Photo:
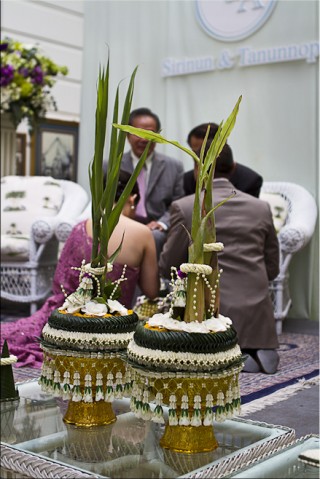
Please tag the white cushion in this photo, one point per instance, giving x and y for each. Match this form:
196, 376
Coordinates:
279, 208
14, 248
25, 198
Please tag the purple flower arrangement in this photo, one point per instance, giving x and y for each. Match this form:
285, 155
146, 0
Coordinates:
26, 78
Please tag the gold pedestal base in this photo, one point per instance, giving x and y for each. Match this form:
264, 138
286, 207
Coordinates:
189, 439
84, 414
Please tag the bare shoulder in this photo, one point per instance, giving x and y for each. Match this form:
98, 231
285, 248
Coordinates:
136, 228
141, 228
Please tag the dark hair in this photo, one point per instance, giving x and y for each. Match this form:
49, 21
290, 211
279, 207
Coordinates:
124, 177
201, 130
144, 112
224, 163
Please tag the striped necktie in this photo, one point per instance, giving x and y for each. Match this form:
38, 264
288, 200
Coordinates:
141, 208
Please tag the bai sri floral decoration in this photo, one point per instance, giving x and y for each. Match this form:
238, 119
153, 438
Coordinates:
188, 358
84, 339
27, 78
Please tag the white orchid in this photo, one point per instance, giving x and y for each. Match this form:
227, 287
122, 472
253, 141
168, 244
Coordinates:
92, 308
116, 307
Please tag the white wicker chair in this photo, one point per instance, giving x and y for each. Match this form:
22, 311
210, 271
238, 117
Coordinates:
29, 247
64, 227
295, 214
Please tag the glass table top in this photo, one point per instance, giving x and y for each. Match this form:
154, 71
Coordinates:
128, 448
286, 463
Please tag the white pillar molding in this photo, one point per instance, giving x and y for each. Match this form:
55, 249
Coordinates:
8, 146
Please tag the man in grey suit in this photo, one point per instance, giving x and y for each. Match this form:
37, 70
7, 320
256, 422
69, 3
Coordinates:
160, 182
250, 259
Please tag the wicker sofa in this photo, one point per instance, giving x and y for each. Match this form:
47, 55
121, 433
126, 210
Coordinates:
294, 213
31, 208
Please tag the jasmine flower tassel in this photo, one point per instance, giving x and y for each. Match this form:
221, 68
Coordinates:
66, 390
56, 384
139, 405
118, 393
208, 415
184, 419
173, 420
146, 413
133, 400
229, 406
76, 393
158, 411
49, 382
43, 377
236, 399
220, 416
127, 383
109, 396
196, 418
87, 397
99, 387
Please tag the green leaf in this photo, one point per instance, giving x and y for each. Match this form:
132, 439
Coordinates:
109, 289
104, 215
155, 137
114, 255
99, 299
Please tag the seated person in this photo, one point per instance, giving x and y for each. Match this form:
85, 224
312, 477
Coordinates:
250, 259
160, 182
138, 252
242, 177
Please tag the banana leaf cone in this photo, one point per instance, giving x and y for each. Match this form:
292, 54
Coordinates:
9, 392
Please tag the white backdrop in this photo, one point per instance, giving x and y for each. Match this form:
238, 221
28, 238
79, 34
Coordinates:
277, 128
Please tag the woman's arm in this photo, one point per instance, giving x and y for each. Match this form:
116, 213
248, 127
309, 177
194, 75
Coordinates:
149, 276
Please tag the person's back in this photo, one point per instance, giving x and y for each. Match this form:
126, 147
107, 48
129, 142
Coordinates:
250, 259
137, 252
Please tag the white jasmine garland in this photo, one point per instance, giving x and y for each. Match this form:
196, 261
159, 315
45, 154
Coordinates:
195, 268
86, 283
7, 361
213, 247
87, 268
182, 360
92, 308
85, 340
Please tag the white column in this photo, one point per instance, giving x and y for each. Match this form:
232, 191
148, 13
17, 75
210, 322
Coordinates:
8, 146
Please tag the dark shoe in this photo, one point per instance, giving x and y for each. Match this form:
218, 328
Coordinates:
268, 360
251, 366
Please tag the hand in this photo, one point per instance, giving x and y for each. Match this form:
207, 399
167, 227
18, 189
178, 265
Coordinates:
153, 225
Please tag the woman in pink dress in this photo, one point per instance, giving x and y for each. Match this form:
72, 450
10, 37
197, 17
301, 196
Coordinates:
138, 252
